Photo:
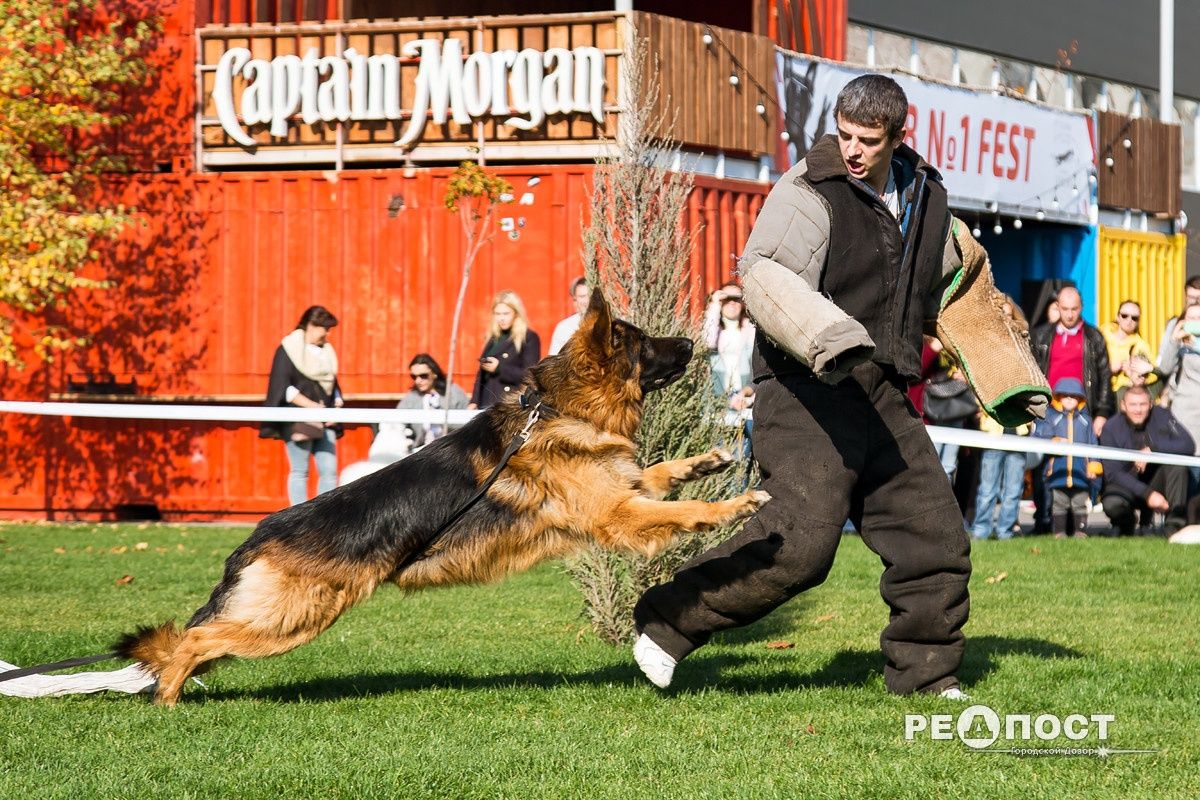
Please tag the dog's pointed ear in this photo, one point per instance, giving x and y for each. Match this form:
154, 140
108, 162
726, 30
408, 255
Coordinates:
597, 322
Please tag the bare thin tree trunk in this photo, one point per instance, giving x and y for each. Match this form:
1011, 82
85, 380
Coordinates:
637, 247
475, 228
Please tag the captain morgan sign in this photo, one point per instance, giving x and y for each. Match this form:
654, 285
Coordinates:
520, 87
989, 148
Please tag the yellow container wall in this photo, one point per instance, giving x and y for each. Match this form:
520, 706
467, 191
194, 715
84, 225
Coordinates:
1146, 267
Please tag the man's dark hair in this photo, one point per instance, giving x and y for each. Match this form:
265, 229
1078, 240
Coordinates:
575, 284
317, 315
873, 100
1193, 282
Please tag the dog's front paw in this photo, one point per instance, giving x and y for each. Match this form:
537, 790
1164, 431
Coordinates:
712, 462
750, 502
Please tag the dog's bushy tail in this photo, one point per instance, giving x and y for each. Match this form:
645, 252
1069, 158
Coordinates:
153, 646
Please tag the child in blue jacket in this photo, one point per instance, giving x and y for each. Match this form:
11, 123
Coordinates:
1069, 478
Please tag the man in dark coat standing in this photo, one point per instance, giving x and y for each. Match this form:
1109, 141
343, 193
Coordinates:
849, 261
1071, 348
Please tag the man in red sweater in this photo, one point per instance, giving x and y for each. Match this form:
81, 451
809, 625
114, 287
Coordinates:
1071, 348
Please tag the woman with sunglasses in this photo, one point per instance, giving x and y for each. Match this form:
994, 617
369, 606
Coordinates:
431, 392
1129, 355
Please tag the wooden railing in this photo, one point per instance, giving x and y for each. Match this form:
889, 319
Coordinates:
709, 110
710, 113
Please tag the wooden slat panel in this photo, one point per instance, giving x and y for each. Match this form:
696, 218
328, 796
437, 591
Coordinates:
1145, 176
695, 79
709, 113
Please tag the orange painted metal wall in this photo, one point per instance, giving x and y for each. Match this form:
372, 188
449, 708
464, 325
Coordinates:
223, 268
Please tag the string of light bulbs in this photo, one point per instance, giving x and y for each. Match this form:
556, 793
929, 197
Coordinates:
709, 37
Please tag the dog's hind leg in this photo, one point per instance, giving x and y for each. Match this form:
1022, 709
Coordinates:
270, 611
198, 646
646, 526
660, 479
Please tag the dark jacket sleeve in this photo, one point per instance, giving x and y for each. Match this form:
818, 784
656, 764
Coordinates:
1039, 343
477, 391
512, 370
280, 380
277, 384
1104, 406
1169, 436
1120, 474
480, 377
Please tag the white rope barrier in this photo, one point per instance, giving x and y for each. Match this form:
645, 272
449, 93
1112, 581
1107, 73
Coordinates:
215, 413
1033, 444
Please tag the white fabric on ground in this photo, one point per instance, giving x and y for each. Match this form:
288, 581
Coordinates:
131, 680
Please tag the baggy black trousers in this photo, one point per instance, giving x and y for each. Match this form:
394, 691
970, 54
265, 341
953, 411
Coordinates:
856, 451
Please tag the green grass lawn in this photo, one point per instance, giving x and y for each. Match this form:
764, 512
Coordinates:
497, 691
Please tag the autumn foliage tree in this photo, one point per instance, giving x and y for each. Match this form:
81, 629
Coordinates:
61, 74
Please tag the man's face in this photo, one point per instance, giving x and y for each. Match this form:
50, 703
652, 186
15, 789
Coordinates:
1191, 296
582, 296
1136, 406
1070, 307
866, 150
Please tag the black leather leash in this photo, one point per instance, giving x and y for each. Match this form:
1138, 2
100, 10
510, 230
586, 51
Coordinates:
529, 399
55, 666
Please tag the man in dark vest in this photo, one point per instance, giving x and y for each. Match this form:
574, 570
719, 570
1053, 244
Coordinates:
853, 255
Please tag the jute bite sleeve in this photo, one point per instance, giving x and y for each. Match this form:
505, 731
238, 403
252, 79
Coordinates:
992, 347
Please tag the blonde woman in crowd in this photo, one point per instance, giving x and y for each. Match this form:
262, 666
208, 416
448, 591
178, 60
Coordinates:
511, 349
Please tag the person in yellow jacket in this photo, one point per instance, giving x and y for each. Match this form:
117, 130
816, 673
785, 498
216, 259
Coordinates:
1129, 355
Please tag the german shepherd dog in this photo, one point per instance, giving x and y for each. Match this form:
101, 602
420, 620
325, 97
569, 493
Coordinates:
574, 482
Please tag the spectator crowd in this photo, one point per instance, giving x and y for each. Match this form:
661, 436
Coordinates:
1109, 388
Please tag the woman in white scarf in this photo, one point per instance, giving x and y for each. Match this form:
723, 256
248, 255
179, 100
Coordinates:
304, 374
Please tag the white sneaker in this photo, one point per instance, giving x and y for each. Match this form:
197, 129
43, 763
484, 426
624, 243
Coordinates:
654, 661
955, 693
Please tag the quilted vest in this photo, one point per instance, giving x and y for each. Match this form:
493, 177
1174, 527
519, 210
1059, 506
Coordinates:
878, 269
